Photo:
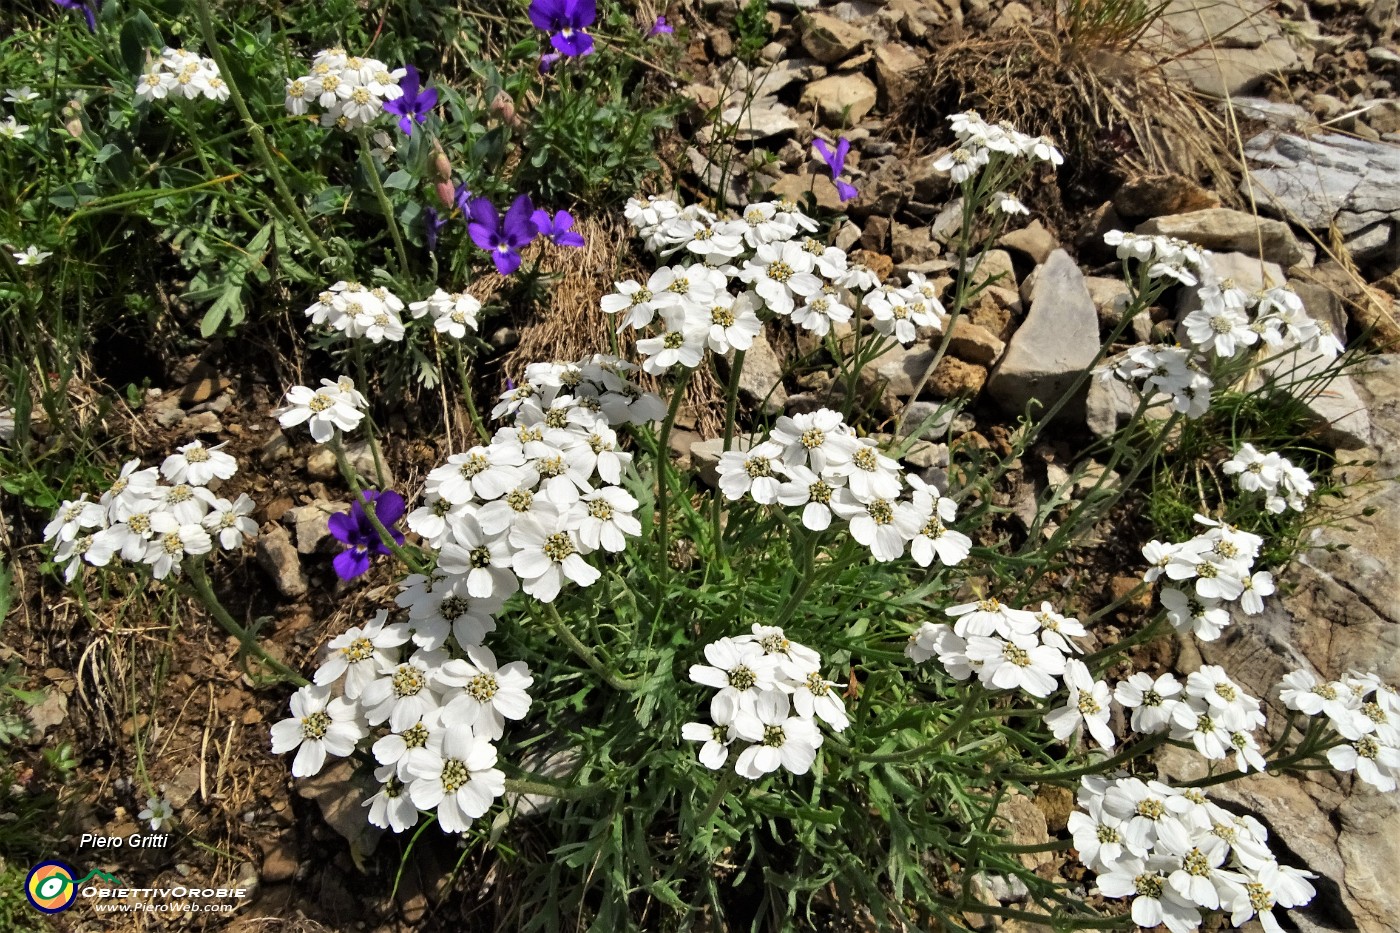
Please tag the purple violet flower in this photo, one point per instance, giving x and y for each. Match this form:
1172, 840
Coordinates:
660, 28
557, 230
565, 21
836, 161
416, 102
432, 226
87, 8
503, 238
547, 61
462, 197
356, 530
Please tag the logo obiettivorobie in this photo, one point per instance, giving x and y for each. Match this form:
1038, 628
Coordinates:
52, 887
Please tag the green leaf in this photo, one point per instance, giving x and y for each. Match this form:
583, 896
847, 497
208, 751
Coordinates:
399, 181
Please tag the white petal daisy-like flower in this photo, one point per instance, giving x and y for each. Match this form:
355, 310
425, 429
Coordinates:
780, 739
30, 256
486, 695
460, 782
334, 406
320, 725
196, 464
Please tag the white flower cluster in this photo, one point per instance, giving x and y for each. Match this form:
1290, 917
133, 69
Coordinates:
1363, 710
771, 694
519, 513
374, 313
1009, 649
545, 492
1231, 319
179, 73
980, 142
350, 90
433, 718
1170, 371
452, 312
1176, 853
815, 462
359, 312
1164, 256
142, 520
745, 270
1284, 486
336, 405
1219, 562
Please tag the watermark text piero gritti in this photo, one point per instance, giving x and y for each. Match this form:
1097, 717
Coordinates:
133, 841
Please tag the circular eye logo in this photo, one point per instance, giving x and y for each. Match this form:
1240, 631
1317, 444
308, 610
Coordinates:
50, 887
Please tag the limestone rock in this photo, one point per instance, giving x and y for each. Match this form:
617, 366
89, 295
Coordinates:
841, 100
761, 381
796, 187
895, 67
1222, 229
1314, 182
1221, 47
340, 798
1058, 340
763, 118
1342, 613
975, 344
311, 523
1032, 240
829, 40
278, 556
952, 378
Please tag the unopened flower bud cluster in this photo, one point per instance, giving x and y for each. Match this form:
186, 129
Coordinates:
145, 521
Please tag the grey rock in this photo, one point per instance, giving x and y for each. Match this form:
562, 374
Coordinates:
1111, 297
321, 463
1338, 413
829, 40
841, 100
917, 413
761, 381
1032, 240
1229, 230
310, 523
1314, 181
1221, 47
180, 789
763, 118
705, 455
1110, 404
901, 367
48, 713
278, 556
276, 448
1272, 112
1370, 243
340, 797
1058, 340
768, 81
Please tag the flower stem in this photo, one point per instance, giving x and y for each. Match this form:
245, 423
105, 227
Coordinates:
199, 580
663, 470
586, 654
392, 222
348, 473
468, 396
731, 404
279, 184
